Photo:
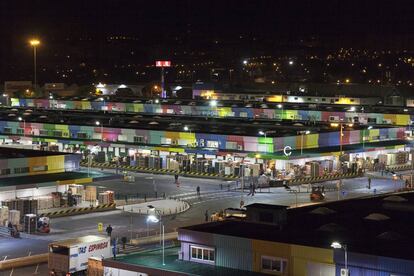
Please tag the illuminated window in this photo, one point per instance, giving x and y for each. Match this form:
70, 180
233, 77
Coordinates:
44, 132
273, 264
57, 133
231, 145
204, 254
5, 171
82, 135
139, 139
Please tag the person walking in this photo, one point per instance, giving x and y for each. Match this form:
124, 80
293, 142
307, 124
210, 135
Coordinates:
206, 216
198, 190
250, 189
109, 230
369, 183
176, 178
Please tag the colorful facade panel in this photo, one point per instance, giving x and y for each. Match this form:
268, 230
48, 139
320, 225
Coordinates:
245, 112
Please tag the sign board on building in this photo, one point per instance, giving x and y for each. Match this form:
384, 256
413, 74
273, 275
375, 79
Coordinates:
163, 63
14, 86
287, 150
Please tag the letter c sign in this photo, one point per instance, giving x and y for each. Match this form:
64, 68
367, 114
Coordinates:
287, 150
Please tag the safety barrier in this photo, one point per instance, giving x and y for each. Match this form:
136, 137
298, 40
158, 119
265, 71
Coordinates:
78, 211
315, 179
155, 170
404, 167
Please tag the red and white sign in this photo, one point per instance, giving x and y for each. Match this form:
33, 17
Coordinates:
163, 63
98, 246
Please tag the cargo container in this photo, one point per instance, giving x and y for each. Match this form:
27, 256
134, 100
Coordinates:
70, 257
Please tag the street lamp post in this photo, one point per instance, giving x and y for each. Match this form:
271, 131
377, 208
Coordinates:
186, 128
24, 125
341, 133
337, 245
34, 43
302, 133
7, 98
364, 135
155, 219
100, 124
213, 103
89, 157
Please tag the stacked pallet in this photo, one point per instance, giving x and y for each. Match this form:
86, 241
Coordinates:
90, 193
401, 157
45, 202
4, 215
173, 164
14, 217
24, 206
57, 199
30, 223
106, 197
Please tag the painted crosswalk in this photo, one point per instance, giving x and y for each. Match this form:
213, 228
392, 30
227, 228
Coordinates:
194, 199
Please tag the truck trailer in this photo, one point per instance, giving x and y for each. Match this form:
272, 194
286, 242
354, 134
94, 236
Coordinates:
70, 257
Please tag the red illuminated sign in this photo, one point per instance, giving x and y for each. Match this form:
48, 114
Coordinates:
163, 63
98, 246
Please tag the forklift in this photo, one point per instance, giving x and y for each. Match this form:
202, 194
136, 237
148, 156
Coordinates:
317, 193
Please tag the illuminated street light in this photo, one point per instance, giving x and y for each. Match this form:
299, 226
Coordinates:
245, 62
99, 124
279, 106
341, 127
337, 245
261, 132
34, 43
290, 62
213, 103
153, 219
156, 219
186, 128
24, 125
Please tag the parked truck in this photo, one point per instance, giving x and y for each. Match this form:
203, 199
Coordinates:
70, 257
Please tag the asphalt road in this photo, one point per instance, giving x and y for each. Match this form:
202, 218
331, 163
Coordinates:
213, 198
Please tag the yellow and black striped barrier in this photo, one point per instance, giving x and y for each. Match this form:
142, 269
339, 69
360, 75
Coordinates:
405, 167
155, 170
316, 179
78, 211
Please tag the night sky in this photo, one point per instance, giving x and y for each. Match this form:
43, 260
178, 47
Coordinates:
226, 30
155, 17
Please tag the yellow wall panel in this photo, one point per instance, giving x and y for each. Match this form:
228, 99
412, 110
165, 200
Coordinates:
36, 161
187, 135
310, 140
403, 119
56, 163
297, 256
172, 135
302, 255
272, 249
